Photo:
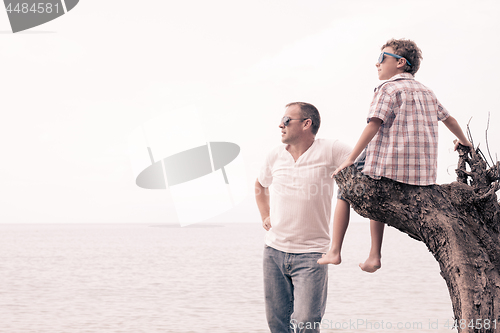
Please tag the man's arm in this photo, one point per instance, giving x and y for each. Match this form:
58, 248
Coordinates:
262, 199
368, 133
455, 128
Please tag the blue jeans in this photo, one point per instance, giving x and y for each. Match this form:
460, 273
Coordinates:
295, 289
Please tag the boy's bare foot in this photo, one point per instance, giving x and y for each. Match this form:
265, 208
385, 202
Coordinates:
330, 258
371, 265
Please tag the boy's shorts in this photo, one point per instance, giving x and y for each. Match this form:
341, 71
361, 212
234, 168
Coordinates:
359, 164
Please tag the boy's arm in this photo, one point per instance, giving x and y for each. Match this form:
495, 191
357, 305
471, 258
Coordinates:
368, 133
455, 128
262, 198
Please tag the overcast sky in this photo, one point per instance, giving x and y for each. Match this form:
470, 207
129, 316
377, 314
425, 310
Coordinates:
74, 89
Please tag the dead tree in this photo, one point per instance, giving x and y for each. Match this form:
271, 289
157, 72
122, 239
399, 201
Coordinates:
459, 223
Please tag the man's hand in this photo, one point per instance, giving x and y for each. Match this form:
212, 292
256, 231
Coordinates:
267, 223
344, 165
457, 142
262, 198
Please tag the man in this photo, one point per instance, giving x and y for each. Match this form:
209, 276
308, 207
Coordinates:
295, 211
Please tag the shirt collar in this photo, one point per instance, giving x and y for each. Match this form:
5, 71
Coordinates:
402, 76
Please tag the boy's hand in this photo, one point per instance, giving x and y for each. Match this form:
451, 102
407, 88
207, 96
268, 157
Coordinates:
458, 142
267, 223
344, 165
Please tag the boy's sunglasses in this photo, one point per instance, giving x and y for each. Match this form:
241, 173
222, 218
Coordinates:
381, 57
286, 120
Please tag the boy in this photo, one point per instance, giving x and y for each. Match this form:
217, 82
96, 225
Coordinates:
400, 138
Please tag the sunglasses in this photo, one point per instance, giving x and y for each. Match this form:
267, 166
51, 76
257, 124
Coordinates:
286, 120
381, 57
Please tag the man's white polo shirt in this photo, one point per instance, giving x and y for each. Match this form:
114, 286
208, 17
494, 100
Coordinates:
301, 195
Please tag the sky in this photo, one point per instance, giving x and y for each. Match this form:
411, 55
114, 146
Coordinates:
74, 89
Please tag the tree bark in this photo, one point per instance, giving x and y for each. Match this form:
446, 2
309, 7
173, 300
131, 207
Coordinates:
459, 223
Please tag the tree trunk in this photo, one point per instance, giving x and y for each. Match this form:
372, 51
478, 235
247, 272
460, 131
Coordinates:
459, 223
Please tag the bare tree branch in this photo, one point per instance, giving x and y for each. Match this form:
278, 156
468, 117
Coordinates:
458, 222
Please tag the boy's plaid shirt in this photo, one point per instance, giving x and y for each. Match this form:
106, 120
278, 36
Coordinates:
405, 147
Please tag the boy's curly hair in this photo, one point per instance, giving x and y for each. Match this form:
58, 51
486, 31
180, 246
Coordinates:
407, 49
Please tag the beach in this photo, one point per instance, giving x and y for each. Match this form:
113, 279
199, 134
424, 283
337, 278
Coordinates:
166, 278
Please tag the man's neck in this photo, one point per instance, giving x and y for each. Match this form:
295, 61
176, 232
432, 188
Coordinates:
296, 150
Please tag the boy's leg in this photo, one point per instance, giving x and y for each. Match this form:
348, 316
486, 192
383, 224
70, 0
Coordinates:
340, 224
377, 234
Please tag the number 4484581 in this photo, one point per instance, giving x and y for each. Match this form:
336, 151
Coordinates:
36, 8
478, 324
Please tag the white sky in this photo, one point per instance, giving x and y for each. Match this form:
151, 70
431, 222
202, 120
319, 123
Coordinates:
73, 89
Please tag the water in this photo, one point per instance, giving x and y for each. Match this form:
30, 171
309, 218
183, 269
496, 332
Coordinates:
204, 278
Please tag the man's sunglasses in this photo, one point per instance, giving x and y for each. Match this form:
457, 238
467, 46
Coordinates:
381, 57
286, 120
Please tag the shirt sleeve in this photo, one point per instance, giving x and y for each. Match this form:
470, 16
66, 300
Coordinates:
381, 106
340, 152
442, 112
266, 176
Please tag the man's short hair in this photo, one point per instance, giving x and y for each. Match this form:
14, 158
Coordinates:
407, 49
309, 111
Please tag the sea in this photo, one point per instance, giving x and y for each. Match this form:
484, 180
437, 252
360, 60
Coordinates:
152, 278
